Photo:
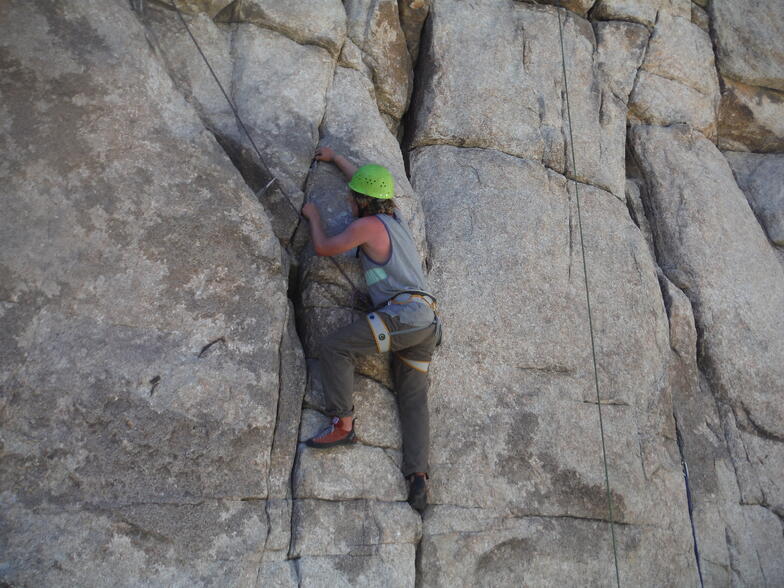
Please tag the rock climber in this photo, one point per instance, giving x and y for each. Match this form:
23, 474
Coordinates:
403, 321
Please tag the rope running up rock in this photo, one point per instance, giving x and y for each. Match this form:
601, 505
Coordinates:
356, 292
588, 302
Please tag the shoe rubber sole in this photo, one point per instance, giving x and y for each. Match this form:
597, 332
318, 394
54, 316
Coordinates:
347, 440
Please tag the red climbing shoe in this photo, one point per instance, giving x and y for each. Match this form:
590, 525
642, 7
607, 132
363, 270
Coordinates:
333, 435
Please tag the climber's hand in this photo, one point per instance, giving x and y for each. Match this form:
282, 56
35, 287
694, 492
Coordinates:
309, 211
325, 154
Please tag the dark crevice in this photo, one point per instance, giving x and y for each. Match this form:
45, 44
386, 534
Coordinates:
154, 384
634, 171
207, 347
749, 425
423, 72
689, 502
418, 582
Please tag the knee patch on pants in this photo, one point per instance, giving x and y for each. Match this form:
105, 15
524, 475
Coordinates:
420, 366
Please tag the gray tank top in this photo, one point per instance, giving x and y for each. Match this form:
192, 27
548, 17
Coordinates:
402, 271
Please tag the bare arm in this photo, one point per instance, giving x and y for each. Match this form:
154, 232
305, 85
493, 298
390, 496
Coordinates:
344, 165
356, 234
348, 168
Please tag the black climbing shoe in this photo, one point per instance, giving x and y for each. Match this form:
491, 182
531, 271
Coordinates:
417, 492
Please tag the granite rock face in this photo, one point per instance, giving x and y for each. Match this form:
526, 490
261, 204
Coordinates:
144, 310
677, 82
161, 311
711, 246
506, 91
751, 118
761, 177
750, 41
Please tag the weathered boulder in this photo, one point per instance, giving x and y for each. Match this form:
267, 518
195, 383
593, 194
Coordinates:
308, 22
637, 212
412, 16
738, 543
751, 118
700, 17
761, 177
353, 527
581, 7
374, 27
186, 67
711, 246
620, 50
154, 396
480, 547
209, 7
515, 364
737, 295
144, 311
644, 12
678, 81
276, 84
510, 94
750, 41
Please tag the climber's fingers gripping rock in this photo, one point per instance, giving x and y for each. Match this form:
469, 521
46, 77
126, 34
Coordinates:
324, 154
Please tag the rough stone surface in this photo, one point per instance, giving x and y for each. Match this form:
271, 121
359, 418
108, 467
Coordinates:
473, 547
308, 22
637, 211
277, 86
412, 16
510, 95
644, 12
751, 118
383, 566
711, 246
731, 553
738, 295
374, 27
750, 41
700, 17
153, 389
678, 81
761, 177
352, 527
145, 304
347, 472
541, 470
620, 50
581, 7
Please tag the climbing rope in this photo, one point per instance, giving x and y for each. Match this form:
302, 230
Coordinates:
588, 302
356, 292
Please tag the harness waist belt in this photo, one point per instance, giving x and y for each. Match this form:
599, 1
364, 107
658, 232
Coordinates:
413, 295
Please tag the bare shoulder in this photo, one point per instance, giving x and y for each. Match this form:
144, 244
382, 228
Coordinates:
369, 225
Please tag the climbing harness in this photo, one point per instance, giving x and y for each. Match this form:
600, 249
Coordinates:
356, 292
383, 336
588, 302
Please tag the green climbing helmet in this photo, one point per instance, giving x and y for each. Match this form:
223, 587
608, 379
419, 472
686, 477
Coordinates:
374, 181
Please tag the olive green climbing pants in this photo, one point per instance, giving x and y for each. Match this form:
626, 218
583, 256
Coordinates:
411, 354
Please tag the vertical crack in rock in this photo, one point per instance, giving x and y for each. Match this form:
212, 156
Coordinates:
685, 466
634, 168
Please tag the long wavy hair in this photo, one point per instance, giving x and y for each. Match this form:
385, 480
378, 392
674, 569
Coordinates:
368, 206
